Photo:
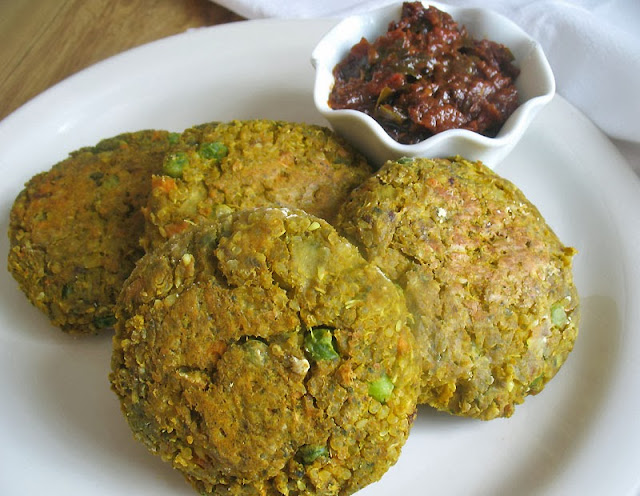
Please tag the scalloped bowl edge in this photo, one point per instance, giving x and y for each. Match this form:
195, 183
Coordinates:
536, 86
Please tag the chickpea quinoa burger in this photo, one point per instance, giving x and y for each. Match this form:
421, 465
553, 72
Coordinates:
74, 230
217, 167
487, 280
261, 354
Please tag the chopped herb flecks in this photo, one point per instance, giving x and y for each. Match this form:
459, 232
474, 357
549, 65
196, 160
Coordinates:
309, 453
319, 344
104, 321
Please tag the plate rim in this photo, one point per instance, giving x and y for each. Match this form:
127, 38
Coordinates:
627, 193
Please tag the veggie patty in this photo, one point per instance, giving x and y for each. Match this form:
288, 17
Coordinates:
261, 354
74, 230
489, 283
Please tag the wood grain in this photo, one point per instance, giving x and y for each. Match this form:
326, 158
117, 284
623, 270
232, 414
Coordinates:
44, 41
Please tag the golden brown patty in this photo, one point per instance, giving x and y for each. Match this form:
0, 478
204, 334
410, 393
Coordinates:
217, 167
263, 355
74, 230
489, 283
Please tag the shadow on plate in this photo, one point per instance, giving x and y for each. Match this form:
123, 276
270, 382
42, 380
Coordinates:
592, 369
526, 453
79, 409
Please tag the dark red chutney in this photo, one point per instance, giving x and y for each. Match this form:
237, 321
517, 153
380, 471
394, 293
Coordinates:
427, 75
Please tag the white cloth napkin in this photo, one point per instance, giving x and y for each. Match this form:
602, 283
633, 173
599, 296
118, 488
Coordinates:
593, 47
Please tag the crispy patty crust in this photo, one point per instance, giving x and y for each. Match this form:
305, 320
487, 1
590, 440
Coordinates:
217, 167
74, 230
489, 283
261, 354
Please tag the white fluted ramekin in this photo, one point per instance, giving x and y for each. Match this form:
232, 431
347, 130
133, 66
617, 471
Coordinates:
535, 84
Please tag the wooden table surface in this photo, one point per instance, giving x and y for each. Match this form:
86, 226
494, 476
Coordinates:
44, 41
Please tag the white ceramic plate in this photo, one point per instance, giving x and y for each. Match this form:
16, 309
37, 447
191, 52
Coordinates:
61, 430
